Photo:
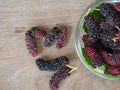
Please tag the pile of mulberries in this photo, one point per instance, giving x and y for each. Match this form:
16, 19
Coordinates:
60, 64
52, 65
58, 34
102, 42
59, 76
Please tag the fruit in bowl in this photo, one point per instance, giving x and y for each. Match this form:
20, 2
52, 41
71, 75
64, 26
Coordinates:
100, 44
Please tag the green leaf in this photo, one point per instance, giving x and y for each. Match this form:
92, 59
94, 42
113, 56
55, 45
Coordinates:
85, 27
87, 59
96, 14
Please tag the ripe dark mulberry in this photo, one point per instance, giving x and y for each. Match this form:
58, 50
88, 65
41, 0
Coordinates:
107, 10
52, 36
61, 37
92, 29
52, 65
59, 76
113, 70
94, 56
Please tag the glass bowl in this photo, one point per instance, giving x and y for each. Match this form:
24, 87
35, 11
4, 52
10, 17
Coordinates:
79, 43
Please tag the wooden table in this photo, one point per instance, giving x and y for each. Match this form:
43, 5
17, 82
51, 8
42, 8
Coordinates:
17, 68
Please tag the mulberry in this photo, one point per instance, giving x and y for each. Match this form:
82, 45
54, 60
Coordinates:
92, 28
94, 56
85, 40
61, 37
118, 35
35, 32
59, 76
113, 70
52, 36
107, 10
52, 65
117, 6
113, 59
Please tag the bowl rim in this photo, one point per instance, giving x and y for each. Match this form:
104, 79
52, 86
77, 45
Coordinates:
77, 41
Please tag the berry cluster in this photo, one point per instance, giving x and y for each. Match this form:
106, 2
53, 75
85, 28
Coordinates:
102, 43
59, 76
52, 65
30, 37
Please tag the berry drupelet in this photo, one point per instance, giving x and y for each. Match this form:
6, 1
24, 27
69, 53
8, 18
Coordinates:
52, 65
38, 33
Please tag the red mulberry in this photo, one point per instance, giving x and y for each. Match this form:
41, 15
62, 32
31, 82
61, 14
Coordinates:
94, 56
61, 37
113, 70
113, 59
59, 76
52, 36
52, 65
118, 35
117, 6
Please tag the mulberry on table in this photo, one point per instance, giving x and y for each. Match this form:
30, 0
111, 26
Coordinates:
58, 34
59, 76
52, 65
30, 37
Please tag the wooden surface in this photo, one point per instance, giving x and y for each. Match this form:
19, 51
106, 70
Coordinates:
17, 68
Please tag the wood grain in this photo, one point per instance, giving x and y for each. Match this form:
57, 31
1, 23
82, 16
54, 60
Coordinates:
18, 69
